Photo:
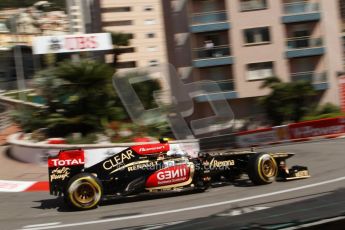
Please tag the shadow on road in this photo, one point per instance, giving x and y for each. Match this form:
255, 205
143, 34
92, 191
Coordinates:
59, 204
54, 203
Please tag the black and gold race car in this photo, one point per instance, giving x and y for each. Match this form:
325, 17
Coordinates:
148, 168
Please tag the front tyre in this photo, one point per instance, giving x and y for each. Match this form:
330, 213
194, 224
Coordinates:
84, 191
262, 169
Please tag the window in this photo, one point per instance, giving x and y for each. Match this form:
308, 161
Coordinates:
150, 35
126, 50
153, 63
118, 23
124, 65
152, 48
258, 71
248, 5
150, 22
148, 8
257, 35
116, 9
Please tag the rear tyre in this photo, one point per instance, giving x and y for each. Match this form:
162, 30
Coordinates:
84, 191
262, 169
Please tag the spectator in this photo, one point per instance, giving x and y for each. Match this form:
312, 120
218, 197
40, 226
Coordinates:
209, 45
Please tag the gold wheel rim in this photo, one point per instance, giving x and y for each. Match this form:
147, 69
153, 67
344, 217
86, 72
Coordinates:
268, 168
85, 193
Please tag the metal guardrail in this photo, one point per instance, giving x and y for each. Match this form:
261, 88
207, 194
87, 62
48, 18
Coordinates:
310, 76
301, 7
224, 85
209, 17
5, 118
304, 42
213, 52
253, 5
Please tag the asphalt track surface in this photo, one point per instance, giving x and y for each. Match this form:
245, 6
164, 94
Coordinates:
228, 207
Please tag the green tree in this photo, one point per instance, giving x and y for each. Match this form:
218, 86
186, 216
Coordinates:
327, 110
287, 101
119, 39
79, 97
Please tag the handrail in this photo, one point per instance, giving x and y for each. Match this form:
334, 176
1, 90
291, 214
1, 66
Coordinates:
298, 38
304, 42
248, 6
312, 76
214, 47
301, 7
209, 17
224, 85
208, 13
303, 72
212, 52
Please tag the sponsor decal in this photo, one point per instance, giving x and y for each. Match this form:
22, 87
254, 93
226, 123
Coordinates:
81, 43
141, 166
60, 174
118, 160
55, 44
310, 131
71, 43
151, 148
218, 164
168, 176
67, 162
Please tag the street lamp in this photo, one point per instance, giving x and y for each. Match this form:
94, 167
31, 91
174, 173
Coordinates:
18, 62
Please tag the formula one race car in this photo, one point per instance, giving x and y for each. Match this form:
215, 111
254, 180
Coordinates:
147, 168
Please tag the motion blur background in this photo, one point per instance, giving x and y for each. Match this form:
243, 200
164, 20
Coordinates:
239, 44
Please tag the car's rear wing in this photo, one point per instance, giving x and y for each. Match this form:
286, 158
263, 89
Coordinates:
62, 167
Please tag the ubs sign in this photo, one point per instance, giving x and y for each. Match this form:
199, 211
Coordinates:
72, 43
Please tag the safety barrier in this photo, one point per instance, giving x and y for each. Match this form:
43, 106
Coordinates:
302, 131
37, 153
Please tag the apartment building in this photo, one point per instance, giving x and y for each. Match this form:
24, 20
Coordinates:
143, 19
84, 16
239, 43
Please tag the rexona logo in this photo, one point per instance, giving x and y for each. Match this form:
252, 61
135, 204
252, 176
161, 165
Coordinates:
218, 164
67, 162
169, 176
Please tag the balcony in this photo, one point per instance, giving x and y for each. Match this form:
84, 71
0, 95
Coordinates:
253, 5
318, 80
209, 21
216, 56
227, 88
301, 12
304, 47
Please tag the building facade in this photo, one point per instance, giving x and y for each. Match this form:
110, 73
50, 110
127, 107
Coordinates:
143, 19
84, 16
239, 43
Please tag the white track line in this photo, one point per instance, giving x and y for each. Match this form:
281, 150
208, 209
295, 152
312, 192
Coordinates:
191, 208
314, 223
40, 225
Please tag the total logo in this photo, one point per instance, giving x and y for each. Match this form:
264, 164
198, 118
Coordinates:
68, 162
